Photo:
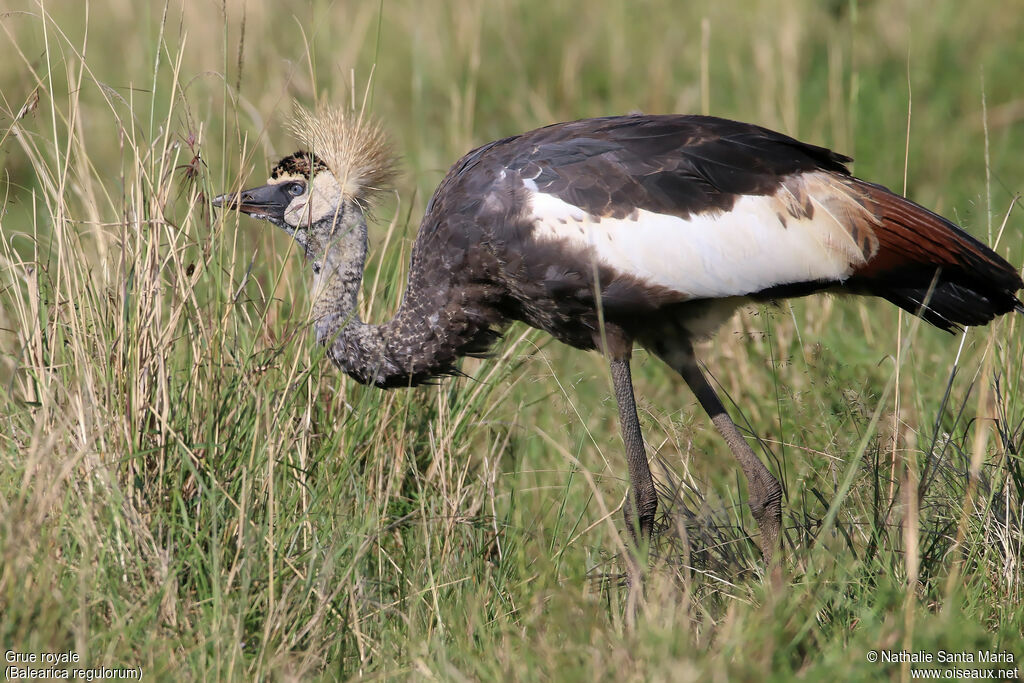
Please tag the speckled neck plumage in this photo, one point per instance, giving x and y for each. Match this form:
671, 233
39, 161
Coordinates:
337, 275
410, 349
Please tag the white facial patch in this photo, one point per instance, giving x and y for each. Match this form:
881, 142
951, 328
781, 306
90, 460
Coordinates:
322, 199
756, 244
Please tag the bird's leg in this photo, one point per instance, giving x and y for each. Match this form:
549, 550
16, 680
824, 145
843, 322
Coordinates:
765, 491
642, 502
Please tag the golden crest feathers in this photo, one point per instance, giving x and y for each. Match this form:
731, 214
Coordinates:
354, 147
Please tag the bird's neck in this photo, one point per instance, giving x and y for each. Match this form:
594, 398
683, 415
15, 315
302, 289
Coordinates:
404, 351
338, 263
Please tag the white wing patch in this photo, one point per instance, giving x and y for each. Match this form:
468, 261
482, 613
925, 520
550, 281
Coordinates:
757, 244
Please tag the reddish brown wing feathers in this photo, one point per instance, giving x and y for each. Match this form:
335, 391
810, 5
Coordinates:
908, 234
923, 259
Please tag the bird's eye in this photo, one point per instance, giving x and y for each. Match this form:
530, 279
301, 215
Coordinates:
295, 189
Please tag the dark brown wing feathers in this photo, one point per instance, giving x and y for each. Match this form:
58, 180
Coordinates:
674, 165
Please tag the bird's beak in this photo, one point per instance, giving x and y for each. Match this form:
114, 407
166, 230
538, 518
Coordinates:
266, 202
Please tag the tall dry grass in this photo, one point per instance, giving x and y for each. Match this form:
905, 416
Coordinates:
188, 487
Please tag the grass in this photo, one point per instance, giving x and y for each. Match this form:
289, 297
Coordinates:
189, 488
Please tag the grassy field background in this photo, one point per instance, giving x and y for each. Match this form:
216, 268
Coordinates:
188, 487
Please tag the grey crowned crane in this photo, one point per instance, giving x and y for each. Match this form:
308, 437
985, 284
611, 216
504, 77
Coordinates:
611, 232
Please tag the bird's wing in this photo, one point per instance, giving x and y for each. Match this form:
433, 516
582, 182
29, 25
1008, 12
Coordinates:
703, 207
673, 208
673, 165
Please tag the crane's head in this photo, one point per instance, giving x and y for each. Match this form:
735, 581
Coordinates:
319, 196
302, 195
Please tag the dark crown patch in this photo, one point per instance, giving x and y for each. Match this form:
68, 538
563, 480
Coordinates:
301, 163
